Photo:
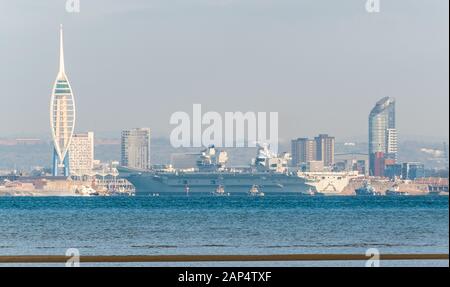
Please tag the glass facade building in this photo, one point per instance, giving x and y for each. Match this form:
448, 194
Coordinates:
412, 170
382, 136
135, 148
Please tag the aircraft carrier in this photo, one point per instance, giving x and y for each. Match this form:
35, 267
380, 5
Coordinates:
268, 171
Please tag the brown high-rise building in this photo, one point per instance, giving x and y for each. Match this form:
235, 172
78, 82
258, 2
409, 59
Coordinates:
321, 148
303, 150
325, 149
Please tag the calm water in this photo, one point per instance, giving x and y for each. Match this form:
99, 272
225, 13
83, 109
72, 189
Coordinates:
203, 224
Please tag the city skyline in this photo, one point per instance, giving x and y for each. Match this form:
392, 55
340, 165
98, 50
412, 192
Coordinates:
221, 133
103, 104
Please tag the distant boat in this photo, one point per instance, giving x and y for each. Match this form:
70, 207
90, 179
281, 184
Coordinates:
311, 192
390, 192
254, 191
395, 191
220, 191
114, 193
86, 191
367, 190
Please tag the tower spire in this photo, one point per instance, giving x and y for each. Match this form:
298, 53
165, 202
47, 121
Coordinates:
61, 50
62, 114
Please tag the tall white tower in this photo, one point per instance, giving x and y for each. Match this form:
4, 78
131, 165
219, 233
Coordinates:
62, 115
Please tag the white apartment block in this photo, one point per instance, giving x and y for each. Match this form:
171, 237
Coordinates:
81, 154
392, 142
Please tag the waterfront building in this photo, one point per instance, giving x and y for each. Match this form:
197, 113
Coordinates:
321, 148
393, 170
325, 149
303, 150
314, 166
382, 136
361, 166
413, 170
135, 148
81, 154
351, 161
341, 166
62, 116
350, 164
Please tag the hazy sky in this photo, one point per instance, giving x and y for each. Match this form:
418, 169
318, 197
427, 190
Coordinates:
322, 64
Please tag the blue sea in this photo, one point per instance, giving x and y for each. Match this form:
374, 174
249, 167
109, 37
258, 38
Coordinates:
238, 224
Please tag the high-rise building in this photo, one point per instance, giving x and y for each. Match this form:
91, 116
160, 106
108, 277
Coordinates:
81, 154
325, 149
62, 116
135, 148
382, 136
321, 148
303, 150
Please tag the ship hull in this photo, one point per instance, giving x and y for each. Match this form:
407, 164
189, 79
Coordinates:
148, 183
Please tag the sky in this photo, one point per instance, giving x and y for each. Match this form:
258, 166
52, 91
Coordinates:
321, 64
